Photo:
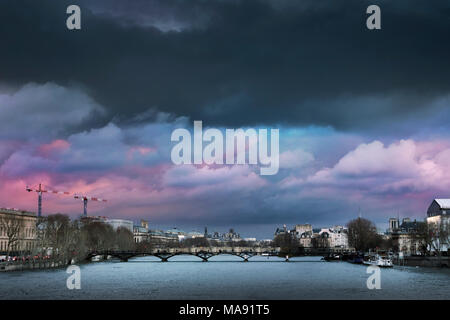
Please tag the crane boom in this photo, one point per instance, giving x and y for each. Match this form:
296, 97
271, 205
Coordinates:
85, 201
40, 190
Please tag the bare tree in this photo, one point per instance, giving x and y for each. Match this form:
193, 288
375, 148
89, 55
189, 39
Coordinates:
12, 228
362, 235
76, 242
57, 234
99, 236
422, 237
125, 239
41, 236
439, 236
288, 243
58, 226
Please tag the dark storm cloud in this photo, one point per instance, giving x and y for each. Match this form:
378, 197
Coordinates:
235, 62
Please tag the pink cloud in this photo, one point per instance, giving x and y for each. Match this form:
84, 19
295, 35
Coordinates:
403, 166
56, 146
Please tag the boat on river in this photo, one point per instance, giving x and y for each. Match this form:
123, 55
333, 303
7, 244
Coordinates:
332, 257
356, 259
379, 261
97, 258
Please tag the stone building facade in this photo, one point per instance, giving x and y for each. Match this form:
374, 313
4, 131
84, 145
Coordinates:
17, 231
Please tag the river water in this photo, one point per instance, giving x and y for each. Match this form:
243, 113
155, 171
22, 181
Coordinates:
226, 277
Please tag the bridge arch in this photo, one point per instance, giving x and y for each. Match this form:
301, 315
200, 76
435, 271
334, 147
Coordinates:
203, 253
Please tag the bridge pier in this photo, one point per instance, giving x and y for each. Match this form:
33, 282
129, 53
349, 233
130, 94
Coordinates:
164, 257
204, 256
244, 256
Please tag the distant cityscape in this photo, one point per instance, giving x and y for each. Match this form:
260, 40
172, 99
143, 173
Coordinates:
405, 236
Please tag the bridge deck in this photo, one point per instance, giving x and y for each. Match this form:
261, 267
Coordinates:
202, 252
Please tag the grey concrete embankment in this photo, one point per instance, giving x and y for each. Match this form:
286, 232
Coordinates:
423, 261
31, 265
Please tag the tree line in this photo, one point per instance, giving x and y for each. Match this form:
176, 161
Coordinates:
76, 238
60, 237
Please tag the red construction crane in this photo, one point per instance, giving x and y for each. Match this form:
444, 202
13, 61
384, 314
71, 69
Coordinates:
85, 201
40, 190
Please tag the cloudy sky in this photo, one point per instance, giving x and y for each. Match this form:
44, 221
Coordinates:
363, 115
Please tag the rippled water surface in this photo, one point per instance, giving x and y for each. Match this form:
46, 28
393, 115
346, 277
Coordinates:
226, 277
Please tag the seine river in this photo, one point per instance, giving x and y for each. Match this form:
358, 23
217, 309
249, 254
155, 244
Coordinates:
226, 277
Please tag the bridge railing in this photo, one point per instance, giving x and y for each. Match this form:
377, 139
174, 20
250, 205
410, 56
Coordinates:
216, 250
193, 250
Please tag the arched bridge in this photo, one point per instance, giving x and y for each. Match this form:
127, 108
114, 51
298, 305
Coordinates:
203, 253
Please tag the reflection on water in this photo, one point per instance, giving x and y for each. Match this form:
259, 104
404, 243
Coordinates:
227, 277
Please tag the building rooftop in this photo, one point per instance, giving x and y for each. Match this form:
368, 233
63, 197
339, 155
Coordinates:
443, 203
17, 212
119, 220
176, 231
140, 229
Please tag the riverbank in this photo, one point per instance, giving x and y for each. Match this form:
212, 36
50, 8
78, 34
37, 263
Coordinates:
410, 261
423, 261
32, 265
